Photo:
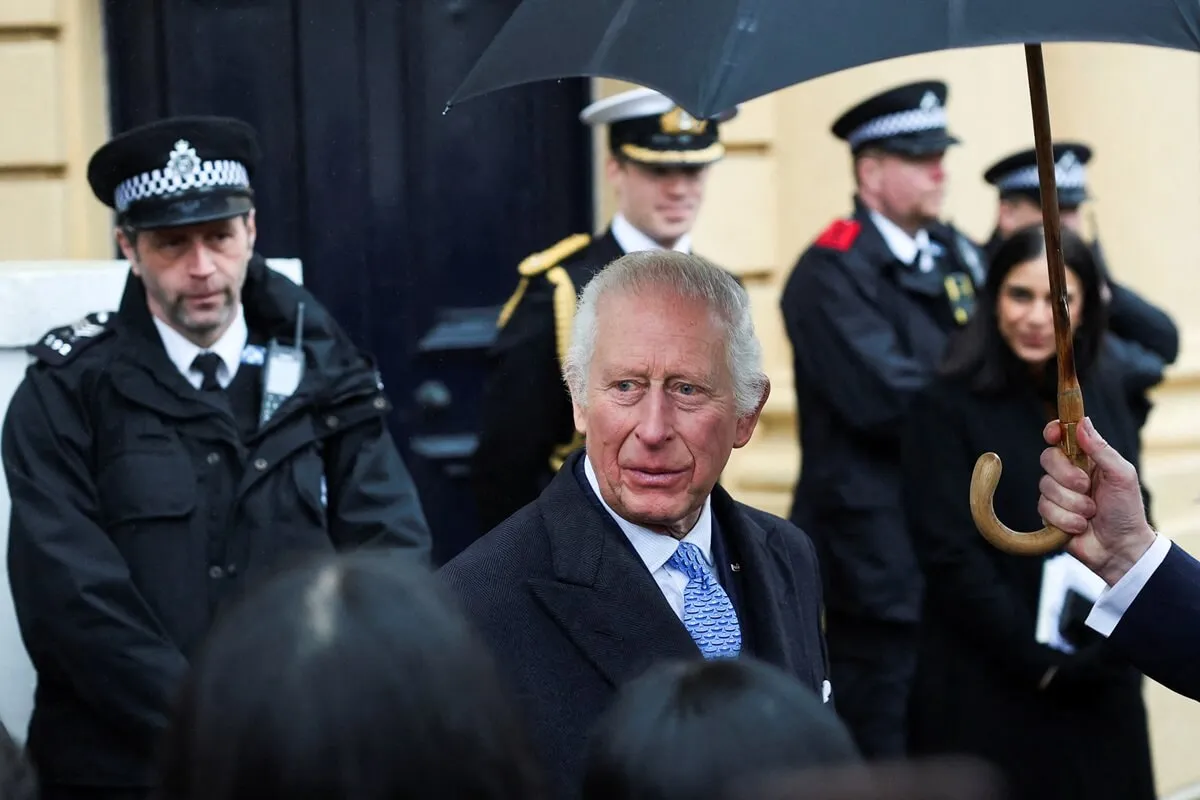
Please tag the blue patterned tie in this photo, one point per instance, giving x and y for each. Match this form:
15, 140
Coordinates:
707, 613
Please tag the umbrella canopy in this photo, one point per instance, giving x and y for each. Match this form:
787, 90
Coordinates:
710, 55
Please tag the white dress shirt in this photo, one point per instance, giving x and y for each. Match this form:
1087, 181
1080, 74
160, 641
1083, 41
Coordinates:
904, 247
1115, 600
656, 549
633, 240
183, 352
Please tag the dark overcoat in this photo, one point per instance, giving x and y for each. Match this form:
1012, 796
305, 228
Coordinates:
571, 612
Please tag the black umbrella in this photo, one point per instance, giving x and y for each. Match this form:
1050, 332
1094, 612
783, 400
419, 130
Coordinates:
709, 55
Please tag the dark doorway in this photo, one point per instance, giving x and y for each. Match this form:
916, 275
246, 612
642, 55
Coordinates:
410, 222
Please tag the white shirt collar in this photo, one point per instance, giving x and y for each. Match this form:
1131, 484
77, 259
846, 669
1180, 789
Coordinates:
904, 247
656, 549
183, 352
633, 240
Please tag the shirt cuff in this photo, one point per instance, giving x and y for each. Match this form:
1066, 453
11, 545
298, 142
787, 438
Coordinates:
1115, 600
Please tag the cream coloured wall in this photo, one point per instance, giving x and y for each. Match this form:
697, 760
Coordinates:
787, 177
52, 90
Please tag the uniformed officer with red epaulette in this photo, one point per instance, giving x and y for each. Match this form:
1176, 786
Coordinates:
868, 308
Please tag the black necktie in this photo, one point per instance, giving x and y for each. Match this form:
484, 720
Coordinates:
206, 364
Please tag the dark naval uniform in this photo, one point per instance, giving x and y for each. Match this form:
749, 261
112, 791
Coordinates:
868, 331
1142, 338
528, 427
141, 505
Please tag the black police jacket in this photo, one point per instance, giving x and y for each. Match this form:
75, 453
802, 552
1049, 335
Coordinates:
138, 511
867, 334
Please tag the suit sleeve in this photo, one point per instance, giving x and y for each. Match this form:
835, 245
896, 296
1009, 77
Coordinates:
526, 410
1133, 318
373, 500
82, 619
847, 350
961, 578
1160, 631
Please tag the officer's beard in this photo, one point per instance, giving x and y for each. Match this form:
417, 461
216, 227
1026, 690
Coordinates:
202, 328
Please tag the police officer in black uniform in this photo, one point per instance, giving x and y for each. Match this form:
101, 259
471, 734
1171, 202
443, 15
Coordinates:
1142, 338
868, 308
163, 457
659, 159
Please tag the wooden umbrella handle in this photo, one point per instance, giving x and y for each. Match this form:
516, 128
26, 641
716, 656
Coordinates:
986, 477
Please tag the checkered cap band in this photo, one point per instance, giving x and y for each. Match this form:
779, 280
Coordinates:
911, 121
162, 182
1073, 177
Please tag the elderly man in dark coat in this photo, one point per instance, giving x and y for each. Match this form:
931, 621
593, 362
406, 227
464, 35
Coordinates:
633, 554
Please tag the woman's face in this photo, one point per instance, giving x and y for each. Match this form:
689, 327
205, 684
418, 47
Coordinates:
1024, 310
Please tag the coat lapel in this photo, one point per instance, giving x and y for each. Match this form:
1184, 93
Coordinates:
768, 584
602, 596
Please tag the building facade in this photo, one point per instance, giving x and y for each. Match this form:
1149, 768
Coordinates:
784, 179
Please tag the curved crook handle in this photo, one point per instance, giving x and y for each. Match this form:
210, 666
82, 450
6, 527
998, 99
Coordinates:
984, 480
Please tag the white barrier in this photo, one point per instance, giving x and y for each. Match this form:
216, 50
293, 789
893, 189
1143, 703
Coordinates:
36, 296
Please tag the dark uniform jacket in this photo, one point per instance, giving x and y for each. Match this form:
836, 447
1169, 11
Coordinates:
139, 509
867, 333
571, 613
527, 424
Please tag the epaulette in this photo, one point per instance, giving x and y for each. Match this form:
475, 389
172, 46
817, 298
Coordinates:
60, 345
539, 263
840, 235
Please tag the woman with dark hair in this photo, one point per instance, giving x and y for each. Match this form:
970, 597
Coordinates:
985, 685
697, 730
349, 678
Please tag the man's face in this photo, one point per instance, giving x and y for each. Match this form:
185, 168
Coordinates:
661, 202
1016, 213
909, 190
661, 418
194, 273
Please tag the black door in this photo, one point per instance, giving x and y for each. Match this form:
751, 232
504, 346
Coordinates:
410, 222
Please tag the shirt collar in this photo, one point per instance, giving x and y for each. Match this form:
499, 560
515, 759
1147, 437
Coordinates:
183, 352
633, 240
656, 549
904, 247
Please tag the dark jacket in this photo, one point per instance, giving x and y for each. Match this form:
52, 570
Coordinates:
1160, 631
138, 511
979, 667
571, 612
527, 427
867, 333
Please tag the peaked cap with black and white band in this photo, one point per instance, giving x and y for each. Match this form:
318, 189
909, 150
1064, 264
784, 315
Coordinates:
1017, 174
177, 171
907, 120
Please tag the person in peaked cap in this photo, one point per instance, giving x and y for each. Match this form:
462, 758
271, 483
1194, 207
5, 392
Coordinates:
659, 160
1015, 178
162, 457
1142, 338
868, 308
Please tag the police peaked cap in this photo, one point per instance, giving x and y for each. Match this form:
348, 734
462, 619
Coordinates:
1017, 174
177, 171
906, 120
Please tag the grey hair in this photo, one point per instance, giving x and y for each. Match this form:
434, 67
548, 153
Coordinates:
688, 276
